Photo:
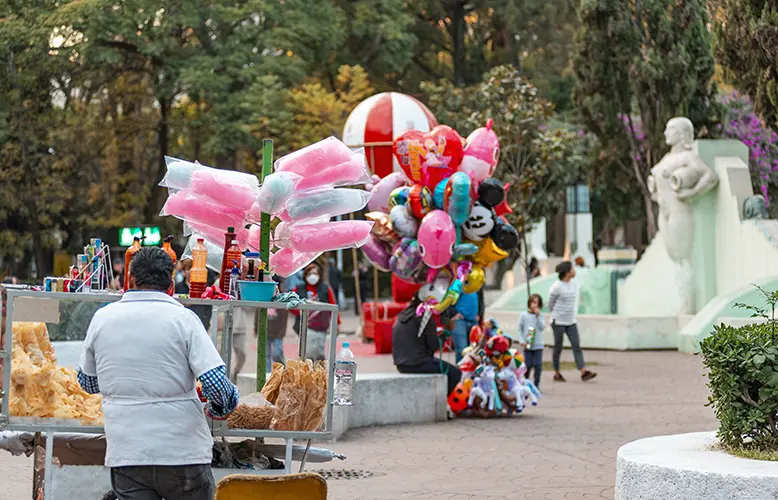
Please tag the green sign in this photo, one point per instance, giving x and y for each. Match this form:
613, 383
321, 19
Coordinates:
152, 234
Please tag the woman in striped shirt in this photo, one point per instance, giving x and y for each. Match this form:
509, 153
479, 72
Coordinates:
563, 304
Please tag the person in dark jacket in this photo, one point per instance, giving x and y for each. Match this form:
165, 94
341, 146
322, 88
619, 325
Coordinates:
414, 353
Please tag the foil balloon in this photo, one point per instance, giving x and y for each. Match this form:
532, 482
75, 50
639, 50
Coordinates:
398, 197
481, 153
403, 222
419, 201
437, 236
480, 223
503, 208
377, 252
406, 261
409, 150
383, 227
456, 198
465, 250
491, 193
382, 189
487, 253
428, 158
455, 290
475, 280
439, 195
505, 236
457, 400
434, 291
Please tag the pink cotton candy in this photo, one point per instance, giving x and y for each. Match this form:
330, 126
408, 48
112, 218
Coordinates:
203, 211
224, 187
310, 159
349, 173
330, 236
286, 261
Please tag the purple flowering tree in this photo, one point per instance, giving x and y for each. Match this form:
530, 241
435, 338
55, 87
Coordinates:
741, 123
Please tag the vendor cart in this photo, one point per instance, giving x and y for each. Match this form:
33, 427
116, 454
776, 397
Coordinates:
81, 477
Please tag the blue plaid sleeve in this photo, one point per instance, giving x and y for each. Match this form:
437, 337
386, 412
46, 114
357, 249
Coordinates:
88, 382
220, 392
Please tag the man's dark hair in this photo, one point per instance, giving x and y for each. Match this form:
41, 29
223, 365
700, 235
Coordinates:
152, 269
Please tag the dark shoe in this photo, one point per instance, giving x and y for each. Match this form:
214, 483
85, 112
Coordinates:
587, 375
559, 378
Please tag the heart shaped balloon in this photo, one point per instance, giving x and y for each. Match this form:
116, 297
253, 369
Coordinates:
428, 158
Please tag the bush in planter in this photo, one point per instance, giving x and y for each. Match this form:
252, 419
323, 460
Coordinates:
742, 368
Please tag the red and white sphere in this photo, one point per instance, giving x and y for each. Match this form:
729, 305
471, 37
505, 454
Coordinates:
378, 120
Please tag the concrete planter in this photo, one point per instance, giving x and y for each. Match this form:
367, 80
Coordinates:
686, 466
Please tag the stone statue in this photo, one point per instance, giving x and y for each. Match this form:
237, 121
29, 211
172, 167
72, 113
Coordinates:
679, 177
755, 207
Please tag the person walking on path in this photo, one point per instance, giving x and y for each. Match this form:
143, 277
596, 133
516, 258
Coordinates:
414, 352
563, 304
531, 326
145, 354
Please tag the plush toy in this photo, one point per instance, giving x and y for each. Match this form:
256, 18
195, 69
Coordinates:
484, 388
512, 386
498, 345
457, 400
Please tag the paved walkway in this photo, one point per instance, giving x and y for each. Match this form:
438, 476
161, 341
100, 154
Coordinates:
563, 449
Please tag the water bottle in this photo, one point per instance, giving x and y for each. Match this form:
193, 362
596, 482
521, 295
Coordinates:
345, 374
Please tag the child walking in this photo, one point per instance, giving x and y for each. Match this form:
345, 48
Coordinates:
531, 325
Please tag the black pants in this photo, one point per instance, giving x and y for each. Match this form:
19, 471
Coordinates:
433, 365
534, 362
153, 482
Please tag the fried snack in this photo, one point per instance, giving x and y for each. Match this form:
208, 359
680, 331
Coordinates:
39, 388
253, 412
302, 397
273, 384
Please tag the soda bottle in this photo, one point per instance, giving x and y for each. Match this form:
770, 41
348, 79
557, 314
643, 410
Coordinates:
224, 279
198, 276
134, 248
168, 250
345, 376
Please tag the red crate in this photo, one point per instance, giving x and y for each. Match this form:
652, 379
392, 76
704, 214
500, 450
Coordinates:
383, 335
378, 311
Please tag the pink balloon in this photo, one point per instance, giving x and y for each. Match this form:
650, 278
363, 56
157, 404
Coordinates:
311, 238
482, 152
437, 236
286, 261
381, 191
222, 188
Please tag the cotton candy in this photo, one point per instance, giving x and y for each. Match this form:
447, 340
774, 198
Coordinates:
286, 261
275, 192
310, 159
179, 174
223, 188
352, 172
202, 210
305, 205
311, 238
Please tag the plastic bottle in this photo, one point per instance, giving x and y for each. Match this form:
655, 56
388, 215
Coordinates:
345, 376
169, 250
224, 279
234, 277
198, 276
134, 248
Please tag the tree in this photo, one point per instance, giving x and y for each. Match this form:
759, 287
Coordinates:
745, 45
538, 157
638, 64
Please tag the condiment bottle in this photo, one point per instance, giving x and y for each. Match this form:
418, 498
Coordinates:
198, 276
224, 279
134, 248
169, 250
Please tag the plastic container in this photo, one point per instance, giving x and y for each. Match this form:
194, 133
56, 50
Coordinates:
257, 291
198, 276
345, 376
224, 273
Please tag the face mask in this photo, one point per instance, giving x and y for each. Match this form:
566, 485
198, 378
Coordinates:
312, 279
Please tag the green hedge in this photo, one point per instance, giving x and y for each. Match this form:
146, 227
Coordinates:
742, 368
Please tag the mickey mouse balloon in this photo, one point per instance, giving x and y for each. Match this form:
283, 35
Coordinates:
480, 223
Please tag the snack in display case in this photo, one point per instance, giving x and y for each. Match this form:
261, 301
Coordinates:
39, 387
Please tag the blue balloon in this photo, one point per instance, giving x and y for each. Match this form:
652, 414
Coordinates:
457, 198
439, 195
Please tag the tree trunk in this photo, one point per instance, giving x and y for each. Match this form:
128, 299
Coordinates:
456, 12
158, 195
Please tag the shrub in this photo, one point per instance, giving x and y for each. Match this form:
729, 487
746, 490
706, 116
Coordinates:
742, 368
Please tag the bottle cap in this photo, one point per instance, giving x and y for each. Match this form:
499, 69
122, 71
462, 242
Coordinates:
252, 255
200, 240
345, 345
230, 229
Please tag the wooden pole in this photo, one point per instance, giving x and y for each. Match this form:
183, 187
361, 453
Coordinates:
357, 290
375, 284
264, 254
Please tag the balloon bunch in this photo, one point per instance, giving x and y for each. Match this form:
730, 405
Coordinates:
493, 376
305, 192
442, 212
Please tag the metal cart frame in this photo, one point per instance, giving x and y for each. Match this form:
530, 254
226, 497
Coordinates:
51, 426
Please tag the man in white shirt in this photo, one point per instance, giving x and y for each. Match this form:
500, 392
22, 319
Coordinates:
144, 354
